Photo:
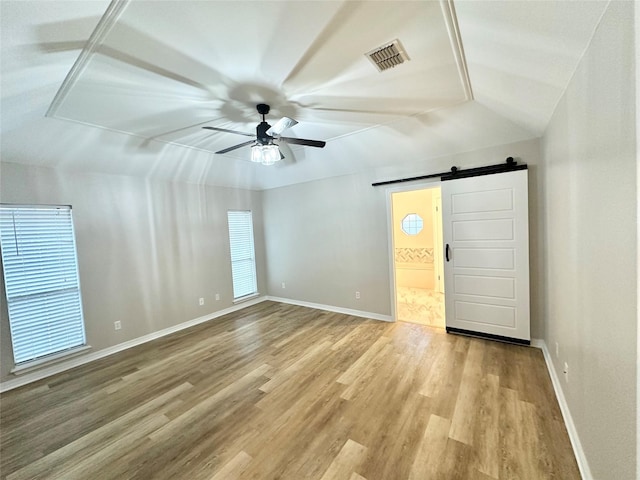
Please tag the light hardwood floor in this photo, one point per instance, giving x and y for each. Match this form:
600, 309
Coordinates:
283, 392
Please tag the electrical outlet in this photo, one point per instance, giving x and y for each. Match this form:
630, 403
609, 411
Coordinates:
201, 301
117, 325
357, 295
217, 297
557, 350
284, 285
566, 371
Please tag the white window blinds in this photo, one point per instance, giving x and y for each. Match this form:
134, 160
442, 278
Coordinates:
243, 264
41, 280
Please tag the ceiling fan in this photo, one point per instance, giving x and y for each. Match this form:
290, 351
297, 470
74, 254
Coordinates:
264, 148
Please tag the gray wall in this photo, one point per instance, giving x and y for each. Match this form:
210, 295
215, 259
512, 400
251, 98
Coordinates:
147, 251
589, 204
326, 240
329, 238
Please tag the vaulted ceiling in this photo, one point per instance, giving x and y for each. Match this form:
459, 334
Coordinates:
125, 87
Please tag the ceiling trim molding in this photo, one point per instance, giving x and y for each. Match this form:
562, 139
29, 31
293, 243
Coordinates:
104, 26
156, 138
451, 21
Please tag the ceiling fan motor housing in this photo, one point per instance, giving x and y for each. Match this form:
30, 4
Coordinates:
261, 129
261, 133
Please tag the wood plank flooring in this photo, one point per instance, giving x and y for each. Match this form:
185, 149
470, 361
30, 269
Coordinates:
284, 392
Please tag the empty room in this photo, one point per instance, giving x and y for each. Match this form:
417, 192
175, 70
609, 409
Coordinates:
334, 239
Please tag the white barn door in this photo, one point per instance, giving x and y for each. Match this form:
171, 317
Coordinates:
486, 235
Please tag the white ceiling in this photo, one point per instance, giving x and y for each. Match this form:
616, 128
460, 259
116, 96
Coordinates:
156, 71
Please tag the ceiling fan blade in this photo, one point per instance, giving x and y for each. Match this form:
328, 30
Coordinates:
303, 141
240, 145
49, 32
289, 157
216, 129
281, 125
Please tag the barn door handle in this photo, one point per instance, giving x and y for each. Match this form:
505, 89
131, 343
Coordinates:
446, 252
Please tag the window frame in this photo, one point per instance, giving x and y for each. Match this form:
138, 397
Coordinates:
252, 272
72, 309
412, 224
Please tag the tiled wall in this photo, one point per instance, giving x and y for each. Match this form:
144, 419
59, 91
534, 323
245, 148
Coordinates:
414, 255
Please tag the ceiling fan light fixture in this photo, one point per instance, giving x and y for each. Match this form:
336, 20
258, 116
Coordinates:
270, 154
265, 154
256, 153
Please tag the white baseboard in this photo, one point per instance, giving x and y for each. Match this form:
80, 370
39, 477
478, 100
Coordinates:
583, 465
537, 343
331, 308
90, 357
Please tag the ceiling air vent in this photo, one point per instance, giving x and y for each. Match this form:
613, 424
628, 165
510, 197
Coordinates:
388, 56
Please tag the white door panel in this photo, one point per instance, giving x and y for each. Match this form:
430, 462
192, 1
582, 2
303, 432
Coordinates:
492, 258
485, 225
485, 286
476, 230
490, 201
481, 313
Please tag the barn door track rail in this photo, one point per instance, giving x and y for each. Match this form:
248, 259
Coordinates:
510, 165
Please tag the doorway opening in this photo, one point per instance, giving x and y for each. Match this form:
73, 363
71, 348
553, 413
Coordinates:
418, 268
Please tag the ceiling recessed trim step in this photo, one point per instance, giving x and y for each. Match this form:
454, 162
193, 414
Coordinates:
104, 26
451, 21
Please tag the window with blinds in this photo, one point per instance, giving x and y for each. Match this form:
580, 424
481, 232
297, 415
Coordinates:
41, 280
243, 262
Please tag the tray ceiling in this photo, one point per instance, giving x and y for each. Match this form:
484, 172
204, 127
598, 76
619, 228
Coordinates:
139, 81
161, 71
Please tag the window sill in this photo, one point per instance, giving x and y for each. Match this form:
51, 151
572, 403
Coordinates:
32, 365
246, 297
